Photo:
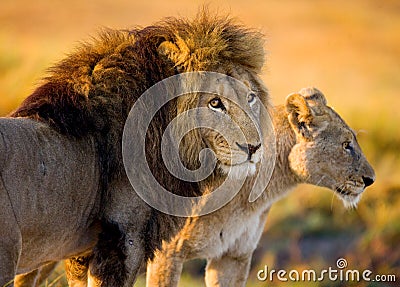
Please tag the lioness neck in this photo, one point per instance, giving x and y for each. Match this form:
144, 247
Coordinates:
283, 177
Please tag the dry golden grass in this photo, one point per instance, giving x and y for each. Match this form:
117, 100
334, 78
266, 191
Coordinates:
348, 49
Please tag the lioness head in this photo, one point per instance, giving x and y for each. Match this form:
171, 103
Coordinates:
326, 152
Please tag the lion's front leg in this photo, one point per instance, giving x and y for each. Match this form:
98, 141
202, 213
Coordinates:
135, 256
117, 257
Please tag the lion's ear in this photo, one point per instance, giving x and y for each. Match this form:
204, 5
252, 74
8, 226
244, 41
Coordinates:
177, 52
299, 114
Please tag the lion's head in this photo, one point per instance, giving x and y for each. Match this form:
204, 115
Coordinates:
326, 152
229, 117
236, 148
228, 121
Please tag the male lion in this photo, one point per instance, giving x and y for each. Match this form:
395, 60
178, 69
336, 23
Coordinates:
315, 146
64, 191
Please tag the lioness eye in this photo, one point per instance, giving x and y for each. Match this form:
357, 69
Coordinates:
251, 98
216, 103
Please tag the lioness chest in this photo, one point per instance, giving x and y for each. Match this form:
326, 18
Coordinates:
233, 227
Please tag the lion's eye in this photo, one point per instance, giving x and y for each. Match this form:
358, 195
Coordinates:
251, 98
348, 145
216, 104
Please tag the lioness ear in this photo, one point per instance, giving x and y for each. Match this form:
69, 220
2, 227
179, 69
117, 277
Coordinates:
299, 114
313, 96
177, 52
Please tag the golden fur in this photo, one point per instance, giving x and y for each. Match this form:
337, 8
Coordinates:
312, 147
86, 98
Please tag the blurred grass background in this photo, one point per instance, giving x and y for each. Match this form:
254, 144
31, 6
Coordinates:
348, 49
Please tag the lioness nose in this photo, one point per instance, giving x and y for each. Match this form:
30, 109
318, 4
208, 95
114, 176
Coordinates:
249, 149
367, 181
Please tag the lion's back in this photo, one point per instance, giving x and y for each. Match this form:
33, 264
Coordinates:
37, 171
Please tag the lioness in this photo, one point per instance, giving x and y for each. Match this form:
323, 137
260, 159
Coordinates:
315, 146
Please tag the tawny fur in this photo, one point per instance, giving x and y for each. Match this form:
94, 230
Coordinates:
310, 139
49, 193
63, 180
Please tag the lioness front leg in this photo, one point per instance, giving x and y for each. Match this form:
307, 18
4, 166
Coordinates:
232, 268
164, 270
228, 271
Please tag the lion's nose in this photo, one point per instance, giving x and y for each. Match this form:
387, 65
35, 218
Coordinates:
249, 149
367, 181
